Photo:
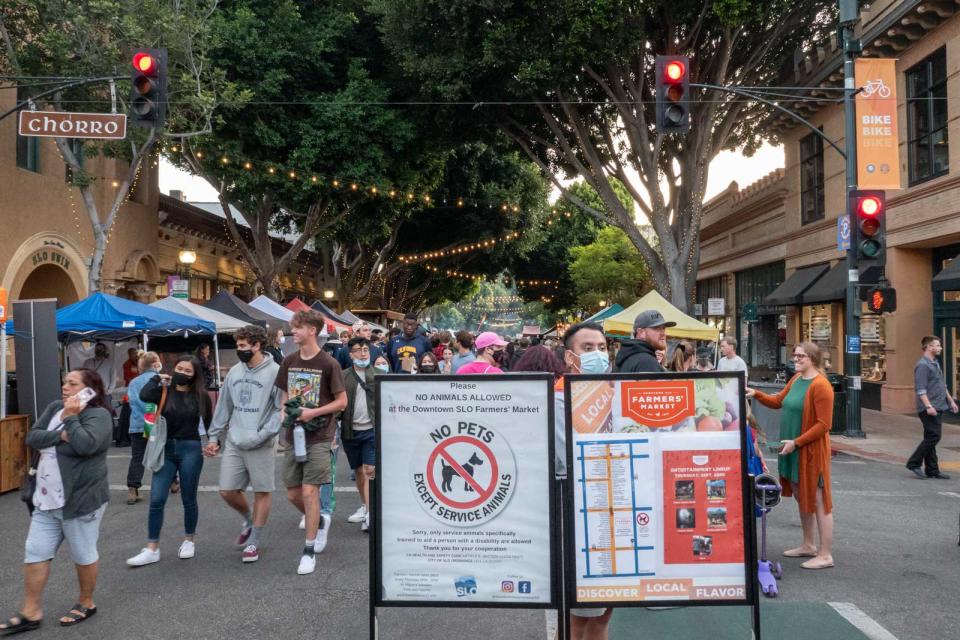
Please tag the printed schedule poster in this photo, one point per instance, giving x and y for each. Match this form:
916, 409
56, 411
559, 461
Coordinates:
657, 475
465, 489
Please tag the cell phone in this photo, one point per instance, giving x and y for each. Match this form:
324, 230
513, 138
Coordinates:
85, 395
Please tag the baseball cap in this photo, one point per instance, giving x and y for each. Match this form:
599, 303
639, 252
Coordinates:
651, 318
488, 338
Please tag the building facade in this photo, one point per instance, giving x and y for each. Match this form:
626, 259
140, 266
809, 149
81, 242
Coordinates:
791, 218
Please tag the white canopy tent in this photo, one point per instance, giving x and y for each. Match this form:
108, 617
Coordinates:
272, 308
224, 323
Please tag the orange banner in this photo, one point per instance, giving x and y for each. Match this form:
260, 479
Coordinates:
878, 154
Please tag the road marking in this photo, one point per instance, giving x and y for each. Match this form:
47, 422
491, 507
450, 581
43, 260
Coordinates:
212, 488
876, 494
949, 494
855, 616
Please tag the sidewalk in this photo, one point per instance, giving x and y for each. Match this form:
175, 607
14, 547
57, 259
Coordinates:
892, 438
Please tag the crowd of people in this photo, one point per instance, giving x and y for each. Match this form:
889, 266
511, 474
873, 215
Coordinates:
311, 402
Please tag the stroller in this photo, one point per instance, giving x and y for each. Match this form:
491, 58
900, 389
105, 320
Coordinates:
766, 492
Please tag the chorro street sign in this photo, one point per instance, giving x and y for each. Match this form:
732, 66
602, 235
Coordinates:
50, 124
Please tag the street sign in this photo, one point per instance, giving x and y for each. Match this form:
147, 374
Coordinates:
843, 233
853, 344
716, 306
180, 289
57, 124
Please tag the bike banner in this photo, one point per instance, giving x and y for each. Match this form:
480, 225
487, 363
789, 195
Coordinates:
878, 155
465, 497
661, 509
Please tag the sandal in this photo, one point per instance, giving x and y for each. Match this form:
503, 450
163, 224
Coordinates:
23, 624
799, 553
77, 614
817, 564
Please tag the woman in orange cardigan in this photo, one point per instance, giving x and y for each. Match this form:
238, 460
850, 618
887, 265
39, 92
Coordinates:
804, 460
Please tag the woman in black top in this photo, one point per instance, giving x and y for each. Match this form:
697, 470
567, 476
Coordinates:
186, 405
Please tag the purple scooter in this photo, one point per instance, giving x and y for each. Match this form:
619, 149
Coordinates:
766, 491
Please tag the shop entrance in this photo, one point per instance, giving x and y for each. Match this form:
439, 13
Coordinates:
49, 281
946, 324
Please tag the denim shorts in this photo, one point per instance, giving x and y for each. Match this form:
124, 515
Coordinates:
361, 449
48, 530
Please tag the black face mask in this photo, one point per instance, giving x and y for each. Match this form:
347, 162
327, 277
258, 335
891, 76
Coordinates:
181, 379
245, 355
428, 368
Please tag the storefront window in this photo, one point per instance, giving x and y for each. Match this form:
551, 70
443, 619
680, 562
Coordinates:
761, 329
873, 365
816, 326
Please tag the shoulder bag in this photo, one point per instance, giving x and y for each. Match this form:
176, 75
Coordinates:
153, 457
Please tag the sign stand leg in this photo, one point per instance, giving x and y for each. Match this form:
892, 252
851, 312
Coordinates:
754, 578
374, 532
563, 611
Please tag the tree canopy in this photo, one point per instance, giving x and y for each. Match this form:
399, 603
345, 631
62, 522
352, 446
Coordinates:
573, 88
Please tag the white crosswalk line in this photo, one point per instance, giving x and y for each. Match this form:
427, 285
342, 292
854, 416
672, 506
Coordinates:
855, 616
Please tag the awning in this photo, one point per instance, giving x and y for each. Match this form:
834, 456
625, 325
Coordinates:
831, 287
790, 290
949, 278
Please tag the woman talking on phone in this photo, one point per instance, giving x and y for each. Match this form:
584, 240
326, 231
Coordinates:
186, 404
72, 436
804, 460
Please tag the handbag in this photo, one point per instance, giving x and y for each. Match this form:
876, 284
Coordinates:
153, 456
28, 485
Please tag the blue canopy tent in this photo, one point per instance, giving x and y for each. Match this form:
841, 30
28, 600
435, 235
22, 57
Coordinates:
105, 317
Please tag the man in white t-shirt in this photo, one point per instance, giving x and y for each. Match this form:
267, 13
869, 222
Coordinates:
730, 360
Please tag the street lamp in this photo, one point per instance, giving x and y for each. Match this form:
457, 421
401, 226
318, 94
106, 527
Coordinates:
328, 294
186, 258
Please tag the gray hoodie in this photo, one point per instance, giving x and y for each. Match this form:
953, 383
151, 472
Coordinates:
250, 403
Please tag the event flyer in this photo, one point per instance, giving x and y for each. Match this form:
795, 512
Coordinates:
657, 489
465, 473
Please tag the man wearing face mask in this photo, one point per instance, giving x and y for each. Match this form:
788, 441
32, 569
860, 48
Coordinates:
650, 335
356, 425
585, 351
250, 404
490, 354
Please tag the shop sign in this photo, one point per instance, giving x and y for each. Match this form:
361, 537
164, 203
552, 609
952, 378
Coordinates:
51, 124
878, 159
716, 306
44, 256
179, 288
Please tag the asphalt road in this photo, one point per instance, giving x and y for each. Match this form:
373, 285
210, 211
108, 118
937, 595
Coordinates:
896, 555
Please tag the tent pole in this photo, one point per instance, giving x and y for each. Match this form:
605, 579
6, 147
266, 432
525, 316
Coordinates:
216, 359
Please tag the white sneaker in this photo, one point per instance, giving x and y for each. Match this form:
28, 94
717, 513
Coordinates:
359, 514
307, 565
303, 522
321, 543
366, 523
145, 557
187, 550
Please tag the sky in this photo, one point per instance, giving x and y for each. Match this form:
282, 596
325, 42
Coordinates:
726, 167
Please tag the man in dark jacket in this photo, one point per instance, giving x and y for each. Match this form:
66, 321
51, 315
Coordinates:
650, 335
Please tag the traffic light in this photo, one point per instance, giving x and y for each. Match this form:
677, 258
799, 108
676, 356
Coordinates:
882, 299
148, 93
870, 211
673, 94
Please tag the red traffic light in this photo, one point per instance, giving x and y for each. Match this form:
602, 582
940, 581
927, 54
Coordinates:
674, 71
144, 63
869, 206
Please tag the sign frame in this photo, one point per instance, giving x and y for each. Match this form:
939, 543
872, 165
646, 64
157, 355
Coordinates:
752, 591
120, 119
553, 530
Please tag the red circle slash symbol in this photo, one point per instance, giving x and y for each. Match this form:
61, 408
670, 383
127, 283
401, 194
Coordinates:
433, 468
643, 519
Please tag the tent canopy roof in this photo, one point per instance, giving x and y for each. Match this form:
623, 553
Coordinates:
271, 308
105, 317
223, 322
621, 324
226, 302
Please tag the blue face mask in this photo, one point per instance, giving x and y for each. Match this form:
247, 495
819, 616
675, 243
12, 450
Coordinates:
363, 364
594, 362
382, 368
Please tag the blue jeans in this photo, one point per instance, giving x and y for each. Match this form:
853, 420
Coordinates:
185, 457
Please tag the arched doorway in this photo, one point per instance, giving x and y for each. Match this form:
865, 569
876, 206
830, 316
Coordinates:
49, 281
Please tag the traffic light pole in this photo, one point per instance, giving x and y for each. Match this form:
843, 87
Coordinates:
851, 345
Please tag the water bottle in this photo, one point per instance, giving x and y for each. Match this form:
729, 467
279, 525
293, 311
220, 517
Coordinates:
299, 444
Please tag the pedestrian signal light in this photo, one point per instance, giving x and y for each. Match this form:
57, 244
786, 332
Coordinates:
869, 208
882, 300
672, 94
148, 93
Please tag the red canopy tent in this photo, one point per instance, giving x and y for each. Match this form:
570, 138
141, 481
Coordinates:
298, 305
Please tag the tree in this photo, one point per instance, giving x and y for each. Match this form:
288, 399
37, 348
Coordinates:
308, 119
573, 88
609, 269
74, 41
